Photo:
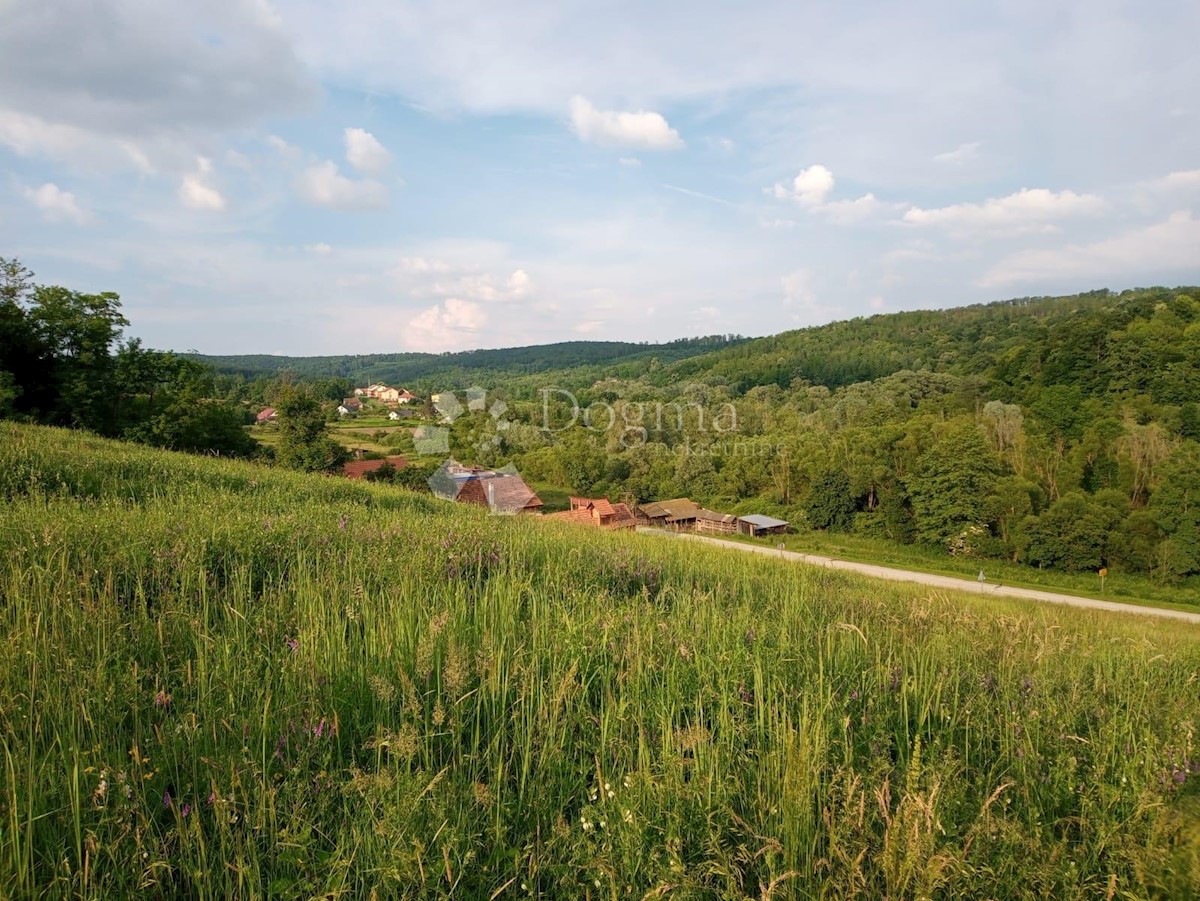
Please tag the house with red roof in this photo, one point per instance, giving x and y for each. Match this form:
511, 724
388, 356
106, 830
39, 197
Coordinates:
598, 512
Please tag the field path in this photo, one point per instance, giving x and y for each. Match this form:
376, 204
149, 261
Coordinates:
905, 575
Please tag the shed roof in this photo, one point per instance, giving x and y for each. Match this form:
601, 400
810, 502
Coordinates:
759, 521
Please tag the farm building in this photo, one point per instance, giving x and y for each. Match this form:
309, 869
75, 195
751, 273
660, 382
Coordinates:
678, 513
503, 492
756, 525
266, 414
358, 469
598, 512
714, 523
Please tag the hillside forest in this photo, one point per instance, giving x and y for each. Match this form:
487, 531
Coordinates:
1063, 433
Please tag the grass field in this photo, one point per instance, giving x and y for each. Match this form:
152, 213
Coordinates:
219, 680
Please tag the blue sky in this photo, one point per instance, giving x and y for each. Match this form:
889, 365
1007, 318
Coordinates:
289, 176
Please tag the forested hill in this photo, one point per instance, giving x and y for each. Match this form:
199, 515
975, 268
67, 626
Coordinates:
1143, 341
448, 367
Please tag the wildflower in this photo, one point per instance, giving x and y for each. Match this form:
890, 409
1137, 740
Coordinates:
342, 522
162, 700
100, 792
586, 825
187, 809
167, 799
627, 816
294, 644
320, 730
212, 798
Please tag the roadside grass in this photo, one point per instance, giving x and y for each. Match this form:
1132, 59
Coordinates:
221, 680
1118, 586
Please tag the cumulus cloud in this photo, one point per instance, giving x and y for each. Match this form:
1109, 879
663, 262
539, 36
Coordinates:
197, 192
1155, 249
57, 205
642, 129
365, 153
323, 185
798, 288
445, 325
1030, 209
809, 188
853, 212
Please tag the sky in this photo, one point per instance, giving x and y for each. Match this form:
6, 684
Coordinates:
301, 177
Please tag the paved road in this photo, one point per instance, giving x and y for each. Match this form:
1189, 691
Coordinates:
904, 575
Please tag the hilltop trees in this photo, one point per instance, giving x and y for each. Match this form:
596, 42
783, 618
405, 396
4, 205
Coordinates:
950, 489
63, 362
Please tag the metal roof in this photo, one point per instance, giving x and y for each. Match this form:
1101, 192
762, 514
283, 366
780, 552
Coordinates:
763, 522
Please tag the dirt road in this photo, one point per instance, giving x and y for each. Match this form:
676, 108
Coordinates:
948, 582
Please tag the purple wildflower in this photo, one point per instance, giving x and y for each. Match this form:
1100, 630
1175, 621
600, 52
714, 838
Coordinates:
212, 798
294, 644
167, 799
320, 730
162, 699
186, 810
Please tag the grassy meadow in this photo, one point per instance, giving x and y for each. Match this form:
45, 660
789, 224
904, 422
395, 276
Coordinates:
220, 680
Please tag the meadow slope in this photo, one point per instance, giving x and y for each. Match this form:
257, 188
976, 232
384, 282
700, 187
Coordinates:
220, 680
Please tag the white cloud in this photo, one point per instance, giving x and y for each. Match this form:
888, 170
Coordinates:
631, 161
797, 288
420, 264
1155, 249
961, 154
321, 249
1027, 210
365, 153
643, 129
809, 188
1178, 181
57, 205
196, 191
323, 185
853, 212
445, 325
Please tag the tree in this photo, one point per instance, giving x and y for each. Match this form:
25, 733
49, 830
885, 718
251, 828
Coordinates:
303, 441
192, 422
1176, 508
830, 503
1072, 534
950, 490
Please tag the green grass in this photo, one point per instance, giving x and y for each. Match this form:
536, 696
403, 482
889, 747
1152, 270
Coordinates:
1118, 586
219, 680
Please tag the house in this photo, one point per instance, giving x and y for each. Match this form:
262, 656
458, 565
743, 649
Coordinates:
678, 513
713, 523
405, 396
756, 525
598, 512
393, 416
350, 405
501, 492
358, 469
266, 414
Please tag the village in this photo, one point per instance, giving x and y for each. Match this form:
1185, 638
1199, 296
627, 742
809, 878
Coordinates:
503, 491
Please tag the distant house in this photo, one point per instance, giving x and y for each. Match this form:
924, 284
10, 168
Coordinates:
266, 414
711, 522
358, 469
678, 513
502, 492
598, 512
389, 396
756, 525
393, 416
350, 405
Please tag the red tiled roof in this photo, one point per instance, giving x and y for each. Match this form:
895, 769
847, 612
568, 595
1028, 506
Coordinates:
357, 469
264, 414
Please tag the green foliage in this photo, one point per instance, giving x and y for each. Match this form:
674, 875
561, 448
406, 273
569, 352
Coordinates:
223, 680
1071, 535
831, 505
950, 490
304, 444
1176, 509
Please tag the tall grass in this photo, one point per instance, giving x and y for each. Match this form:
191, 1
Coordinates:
220, 680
